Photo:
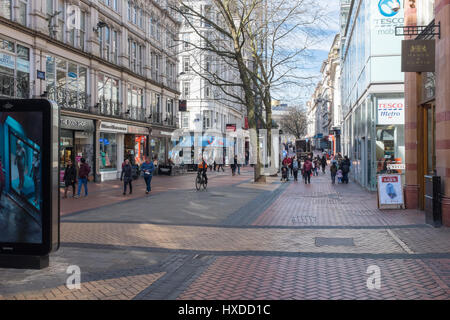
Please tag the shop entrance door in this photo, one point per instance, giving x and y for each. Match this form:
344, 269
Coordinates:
427, 158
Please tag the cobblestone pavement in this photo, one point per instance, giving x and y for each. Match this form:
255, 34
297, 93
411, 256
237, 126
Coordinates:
239, 240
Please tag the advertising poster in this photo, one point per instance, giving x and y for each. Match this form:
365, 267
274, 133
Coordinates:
390, 190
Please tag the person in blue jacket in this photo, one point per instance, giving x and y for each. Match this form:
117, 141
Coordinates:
147, 169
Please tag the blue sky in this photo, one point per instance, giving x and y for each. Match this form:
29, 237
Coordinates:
318, 53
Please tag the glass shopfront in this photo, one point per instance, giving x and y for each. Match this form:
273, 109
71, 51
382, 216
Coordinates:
158, 149
108, 151
76, 142
136, 148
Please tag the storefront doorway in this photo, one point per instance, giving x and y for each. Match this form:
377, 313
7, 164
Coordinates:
427, 141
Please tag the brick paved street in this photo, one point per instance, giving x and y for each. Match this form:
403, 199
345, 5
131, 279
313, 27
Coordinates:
238, 240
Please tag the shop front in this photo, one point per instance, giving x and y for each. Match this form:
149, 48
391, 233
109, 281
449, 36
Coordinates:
375, 135
76, 142
136, 144
111, 147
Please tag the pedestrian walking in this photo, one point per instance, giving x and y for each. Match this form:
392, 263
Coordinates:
333, 171
287, 163
307, 167
295, 166
127, 177
70, 178
315, 167
234, 165
323, 163
83, 174
147, 169
345, 169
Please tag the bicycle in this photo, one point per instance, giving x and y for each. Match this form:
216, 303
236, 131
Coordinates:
200, 181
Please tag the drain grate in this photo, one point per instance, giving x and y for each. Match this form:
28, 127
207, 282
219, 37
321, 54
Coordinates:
346, 242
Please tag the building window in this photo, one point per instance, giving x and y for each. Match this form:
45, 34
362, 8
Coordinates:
108, 95
186, 64
156, 63
186, 89
185, 120
14, 70
207, 119
169, 112
207, 91
66, 83
135, 103
156, 108
6, 10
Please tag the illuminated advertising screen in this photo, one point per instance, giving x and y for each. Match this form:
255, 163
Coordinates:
29, 168
20, 177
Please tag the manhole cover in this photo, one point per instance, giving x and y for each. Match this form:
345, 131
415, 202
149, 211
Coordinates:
346, 242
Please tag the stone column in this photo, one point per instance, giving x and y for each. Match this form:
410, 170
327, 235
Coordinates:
411, 102
442, 16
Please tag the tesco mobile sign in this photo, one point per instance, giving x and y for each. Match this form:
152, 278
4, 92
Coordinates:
391, 111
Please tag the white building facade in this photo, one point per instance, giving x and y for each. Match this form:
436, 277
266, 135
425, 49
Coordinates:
208, 107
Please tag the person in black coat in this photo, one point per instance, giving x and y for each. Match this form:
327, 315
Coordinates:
323, 162
127, 176
70, 178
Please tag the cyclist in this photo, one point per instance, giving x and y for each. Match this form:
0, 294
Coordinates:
202, 167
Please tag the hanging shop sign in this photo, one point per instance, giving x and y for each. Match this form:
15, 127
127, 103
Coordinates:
182, 106
113, 127
418, 55
391, 111
390, 192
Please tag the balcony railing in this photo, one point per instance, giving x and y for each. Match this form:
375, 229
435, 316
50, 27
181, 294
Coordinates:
69, 99
136, 114
110, 107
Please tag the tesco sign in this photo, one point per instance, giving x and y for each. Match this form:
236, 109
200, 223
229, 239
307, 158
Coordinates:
391, 111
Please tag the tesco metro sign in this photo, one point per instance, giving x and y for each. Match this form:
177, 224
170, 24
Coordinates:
391, 111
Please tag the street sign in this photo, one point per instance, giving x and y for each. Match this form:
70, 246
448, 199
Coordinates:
40, 75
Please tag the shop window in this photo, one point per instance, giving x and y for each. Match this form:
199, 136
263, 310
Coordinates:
108, 151
14, 69
390, 148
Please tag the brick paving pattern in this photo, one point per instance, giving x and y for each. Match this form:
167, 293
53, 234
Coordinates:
285, 278
123, 288
238, 240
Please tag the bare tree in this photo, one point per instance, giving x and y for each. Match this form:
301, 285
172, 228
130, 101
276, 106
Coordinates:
262, 41
295, 122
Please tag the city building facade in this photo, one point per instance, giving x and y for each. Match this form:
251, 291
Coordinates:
427, 98
111, 65
372, 88
324, 107
208, 107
